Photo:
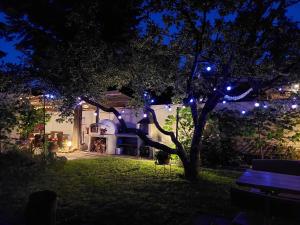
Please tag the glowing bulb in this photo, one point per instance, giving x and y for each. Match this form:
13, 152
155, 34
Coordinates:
243, 112
79, 98
256, 104
119, 117
183, 107
228, 88
69, 143
208, 68
265, 106
224, 102
191, 100
145, 115
296, 86
95, 114
123, 111
152, 101
170, 108
279, 89
294, 106
215, 89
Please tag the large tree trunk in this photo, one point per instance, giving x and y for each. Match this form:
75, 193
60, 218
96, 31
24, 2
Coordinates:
76, 138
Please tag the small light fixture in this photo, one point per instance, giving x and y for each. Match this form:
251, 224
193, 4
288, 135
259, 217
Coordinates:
215, 89
152, 100
296, 86
208, 68
224, 102
294, 106
145, 115
119, 117
243, 112
256, 104
69, 143
228, 88
265, 106
191, 100
279, 89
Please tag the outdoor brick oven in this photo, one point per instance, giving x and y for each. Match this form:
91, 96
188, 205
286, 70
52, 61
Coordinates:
102, 137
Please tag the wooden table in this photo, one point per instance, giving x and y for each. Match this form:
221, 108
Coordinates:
268, 181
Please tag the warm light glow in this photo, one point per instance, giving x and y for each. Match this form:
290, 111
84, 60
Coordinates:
296, 86
69, 143
95, 114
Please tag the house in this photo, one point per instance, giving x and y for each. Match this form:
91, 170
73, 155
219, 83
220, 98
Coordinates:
95, 130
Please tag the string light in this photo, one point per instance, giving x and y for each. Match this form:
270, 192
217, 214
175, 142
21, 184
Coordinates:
145, 115
294, 106
296, 86
95, 114
191, 100
279, 89
215, 89
152, 100
79, 98
243, 112
228, 88
265, 106
123, 111
119, 117
224, 102
208, 68
256, 104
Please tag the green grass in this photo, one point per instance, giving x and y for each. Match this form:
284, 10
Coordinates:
111, 190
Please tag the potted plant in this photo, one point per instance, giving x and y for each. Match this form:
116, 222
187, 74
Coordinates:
162, 157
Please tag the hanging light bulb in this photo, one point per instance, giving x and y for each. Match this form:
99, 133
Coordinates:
294, 106
224, 102
119, 117
183, 106
228, 88
215, 89
145, 115
123, 111
296, 86
243, 112
280, 89
265, 106
95, 114
191, 100
256, 104
152, 100
208, 68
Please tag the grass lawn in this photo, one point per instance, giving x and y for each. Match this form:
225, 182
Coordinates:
111, 190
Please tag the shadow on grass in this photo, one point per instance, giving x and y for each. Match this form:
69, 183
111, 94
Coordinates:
112, 190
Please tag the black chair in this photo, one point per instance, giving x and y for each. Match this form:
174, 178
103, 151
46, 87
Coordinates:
290, 167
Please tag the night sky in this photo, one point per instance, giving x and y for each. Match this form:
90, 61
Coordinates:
15, 56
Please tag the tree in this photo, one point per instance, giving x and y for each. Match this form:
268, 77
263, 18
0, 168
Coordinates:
204, 51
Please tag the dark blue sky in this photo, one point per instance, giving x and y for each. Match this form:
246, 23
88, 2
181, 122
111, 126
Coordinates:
14, 56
